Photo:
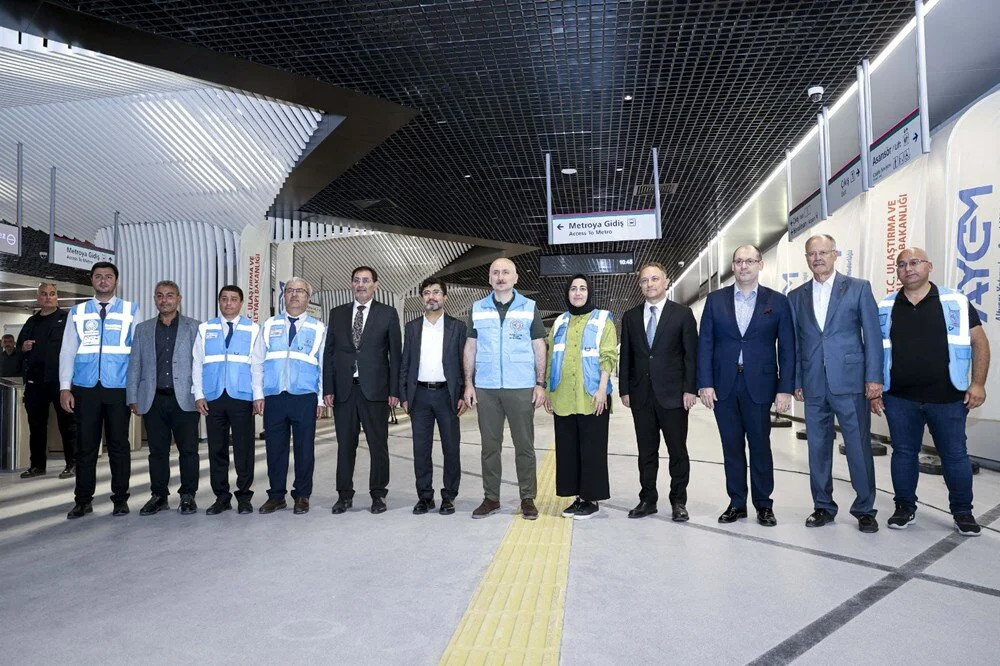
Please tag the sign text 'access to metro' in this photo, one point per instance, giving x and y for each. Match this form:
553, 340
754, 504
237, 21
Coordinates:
604, 227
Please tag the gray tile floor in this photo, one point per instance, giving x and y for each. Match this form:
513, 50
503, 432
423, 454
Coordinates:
391, 589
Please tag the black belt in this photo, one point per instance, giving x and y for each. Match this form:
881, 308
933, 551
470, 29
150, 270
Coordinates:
355, 381
739, 368
432, 385
164, 391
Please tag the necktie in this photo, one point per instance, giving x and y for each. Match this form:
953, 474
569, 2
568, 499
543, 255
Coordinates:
651, 326
229, 335
104, 310
291, 328
358, 326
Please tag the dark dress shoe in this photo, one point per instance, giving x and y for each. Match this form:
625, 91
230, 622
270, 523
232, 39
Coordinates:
487, 508
378, 505
68, 472
765, 517
188, 505
732, 514
680, 513
423, 506
447, 507
819, 518
244, 506
273, 504
121, 508
32, 472
867, 524
301, 505
218, 506
528, 509
79, 511
643, 509
342, 505
155, 504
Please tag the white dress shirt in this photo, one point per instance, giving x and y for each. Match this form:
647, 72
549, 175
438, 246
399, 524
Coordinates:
646, 314
198, 360
364, 321
822, 291
432, 351
71, 343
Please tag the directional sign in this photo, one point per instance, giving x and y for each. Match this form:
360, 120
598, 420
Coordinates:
845, 185
79, 255
10, 239
603, 227
896, 148
805, 215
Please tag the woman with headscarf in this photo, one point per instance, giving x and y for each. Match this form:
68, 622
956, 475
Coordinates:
582, 354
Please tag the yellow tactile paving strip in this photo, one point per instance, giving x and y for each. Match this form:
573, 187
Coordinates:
516, 614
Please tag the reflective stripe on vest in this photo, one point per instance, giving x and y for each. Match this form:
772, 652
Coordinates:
955, 306
103, 353
590, 350
227, 369
300, 360
504, 354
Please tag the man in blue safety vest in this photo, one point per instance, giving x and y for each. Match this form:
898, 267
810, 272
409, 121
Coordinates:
228, 391
93, 372
505, 375
933, 341
290, 347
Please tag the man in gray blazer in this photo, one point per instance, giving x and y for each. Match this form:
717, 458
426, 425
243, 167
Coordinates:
159, 388
838, 370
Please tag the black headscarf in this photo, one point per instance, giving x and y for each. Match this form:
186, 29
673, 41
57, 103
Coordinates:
586, 307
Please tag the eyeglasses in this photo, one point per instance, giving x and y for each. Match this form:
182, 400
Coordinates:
296, 292
746, 262
431, 292
912, 263
362, 280
815, 254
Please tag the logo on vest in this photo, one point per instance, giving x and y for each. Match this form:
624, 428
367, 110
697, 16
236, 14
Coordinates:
953, 320
517, 325
90, 325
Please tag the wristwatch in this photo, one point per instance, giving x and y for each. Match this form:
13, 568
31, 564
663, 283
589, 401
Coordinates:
542, 384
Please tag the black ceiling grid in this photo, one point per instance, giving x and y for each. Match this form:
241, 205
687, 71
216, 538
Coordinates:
718, 86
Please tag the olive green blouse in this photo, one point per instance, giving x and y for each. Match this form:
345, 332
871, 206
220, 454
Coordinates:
571, 397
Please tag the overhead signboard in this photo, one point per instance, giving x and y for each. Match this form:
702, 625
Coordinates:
10, 239
845, 185
896, 148
78, 255
604, 227
586, 264
805, 215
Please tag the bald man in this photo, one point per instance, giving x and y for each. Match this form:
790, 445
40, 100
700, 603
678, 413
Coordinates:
505, 375
933, 341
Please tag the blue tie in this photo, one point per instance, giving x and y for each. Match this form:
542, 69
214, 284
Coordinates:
229, 335
291, 329
651, 326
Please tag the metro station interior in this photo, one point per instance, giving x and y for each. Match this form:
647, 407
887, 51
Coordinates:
245, 143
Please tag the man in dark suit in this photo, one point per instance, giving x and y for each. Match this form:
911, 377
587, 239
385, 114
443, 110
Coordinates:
361, 381
433, 388
838, 370
740, 374
657, 363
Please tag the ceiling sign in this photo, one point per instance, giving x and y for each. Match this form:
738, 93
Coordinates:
78, 255
896, 148
611, 263
603, 227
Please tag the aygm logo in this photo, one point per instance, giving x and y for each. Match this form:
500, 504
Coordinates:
8, 239
973, 246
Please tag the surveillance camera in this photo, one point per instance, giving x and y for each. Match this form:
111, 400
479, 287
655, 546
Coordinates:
681, 264
815, 94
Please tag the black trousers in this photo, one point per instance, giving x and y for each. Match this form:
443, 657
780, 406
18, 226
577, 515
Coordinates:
290, 416
166, 419
430, 406
37, 398
349, 417
745, 424
650, 420
582, 456
225, 415
101, 411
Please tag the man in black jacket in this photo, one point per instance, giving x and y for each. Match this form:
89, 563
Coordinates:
40, 341
657, 366
361, 382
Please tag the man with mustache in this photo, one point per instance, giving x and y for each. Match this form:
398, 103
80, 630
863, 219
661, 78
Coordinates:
361, 382
838, 370
934, 342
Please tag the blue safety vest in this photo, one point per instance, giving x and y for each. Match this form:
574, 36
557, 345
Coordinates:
300, 360
590, 350
104, 344
227, 369
504, 357
956, 319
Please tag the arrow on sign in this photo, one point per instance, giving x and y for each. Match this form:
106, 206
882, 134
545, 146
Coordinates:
915, 135
559, 227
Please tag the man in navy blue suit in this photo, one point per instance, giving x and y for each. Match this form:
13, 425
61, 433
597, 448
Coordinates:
838, 370
740, 373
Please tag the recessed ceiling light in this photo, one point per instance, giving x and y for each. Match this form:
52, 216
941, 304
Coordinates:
619, 169
569, 171
442, 122
628, 98
468, 175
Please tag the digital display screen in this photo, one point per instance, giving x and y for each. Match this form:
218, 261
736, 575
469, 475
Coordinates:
587, 264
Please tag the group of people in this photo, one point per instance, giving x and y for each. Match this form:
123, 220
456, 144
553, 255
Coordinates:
919, 356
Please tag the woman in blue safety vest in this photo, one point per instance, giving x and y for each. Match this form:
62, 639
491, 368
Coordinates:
583, 351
